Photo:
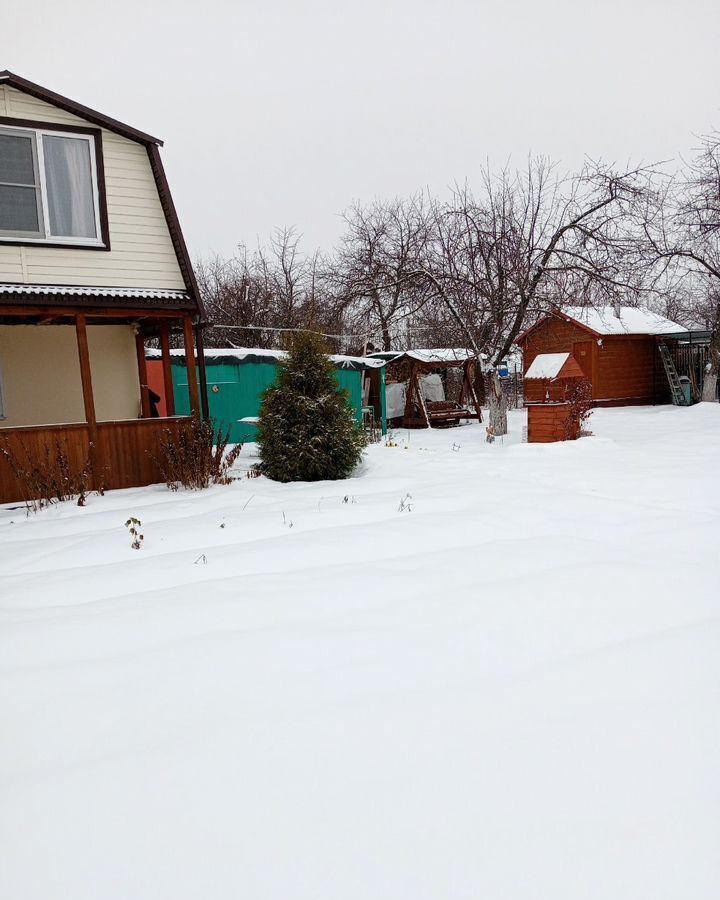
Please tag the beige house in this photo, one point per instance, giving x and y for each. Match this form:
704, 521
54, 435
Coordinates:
92, 262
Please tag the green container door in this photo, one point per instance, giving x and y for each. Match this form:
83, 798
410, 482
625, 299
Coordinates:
352, 383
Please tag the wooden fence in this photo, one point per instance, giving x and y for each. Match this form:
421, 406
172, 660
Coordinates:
690, 360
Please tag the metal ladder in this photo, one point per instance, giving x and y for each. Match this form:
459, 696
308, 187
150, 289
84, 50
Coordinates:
678, 395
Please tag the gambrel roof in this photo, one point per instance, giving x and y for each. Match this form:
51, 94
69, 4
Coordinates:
78, 109
53, 293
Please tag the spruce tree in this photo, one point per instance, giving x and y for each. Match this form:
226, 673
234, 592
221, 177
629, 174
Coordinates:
307, 429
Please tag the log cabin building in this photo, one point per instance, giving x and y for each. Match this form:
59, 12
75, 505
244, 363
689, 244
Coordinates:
92, 262
616, 347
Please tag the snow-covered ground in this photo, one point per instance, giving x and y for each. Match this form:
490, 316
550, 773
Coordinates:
508, 689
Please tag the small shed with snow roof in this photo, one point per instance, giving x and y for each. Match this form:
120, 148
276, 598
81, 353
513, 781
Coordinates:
615, 347
237, 377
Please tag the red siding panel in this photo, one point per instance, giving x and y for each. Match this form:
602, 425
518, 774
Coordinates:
547, 423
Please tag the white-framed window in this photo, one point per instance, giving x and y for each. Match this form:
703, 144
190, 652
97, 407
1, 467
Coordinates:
48, 187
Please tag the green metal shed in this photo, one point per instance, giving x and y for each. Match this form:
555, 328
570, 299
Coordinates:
237, 378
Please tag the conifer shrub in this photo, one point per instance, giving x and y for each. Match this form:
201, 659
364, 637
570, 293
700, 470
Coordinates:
307, 429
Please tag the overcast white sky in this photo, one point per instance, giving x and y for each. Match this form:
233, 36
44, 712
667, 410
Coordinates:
284, 111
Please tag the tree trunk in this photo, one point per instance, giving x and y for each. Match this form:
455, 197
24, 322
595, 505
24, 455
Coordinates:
498, 407
709, 394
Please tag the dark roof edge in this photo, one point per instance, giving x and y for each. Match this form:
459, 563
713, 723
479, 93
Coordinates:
84, 112
173, 223
556, 313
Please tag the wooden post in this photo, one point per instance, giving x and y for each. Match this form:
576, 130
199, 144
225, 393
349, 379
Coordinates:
202, 372
469, 371
191, 369
414, 399
145, 409
88, 399
167, 368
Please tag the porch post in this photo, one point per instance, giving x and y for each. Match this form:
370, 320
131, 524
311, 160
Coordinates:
202, 372
167, 368
88, 399
190, 361
142, 374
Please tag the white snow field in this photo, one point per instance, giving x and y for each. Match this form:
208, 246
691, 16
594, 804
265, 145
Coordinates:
510, 690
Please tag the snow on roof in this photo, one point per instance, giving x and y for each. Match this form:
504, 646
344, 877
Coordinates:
441, 355
632, 320
430, 355
547, 365
257, 354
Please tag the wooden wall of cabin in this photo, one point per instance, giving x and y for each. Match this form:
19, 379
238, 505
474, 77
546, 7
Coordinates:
628, 372
558, 336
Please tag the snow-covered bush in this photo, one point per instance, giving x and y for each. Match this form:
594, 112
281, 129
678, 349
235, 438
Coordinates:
307, 430
197, 456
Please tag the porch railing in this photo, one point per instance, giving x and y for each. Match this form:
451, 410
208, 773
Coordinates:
127, 452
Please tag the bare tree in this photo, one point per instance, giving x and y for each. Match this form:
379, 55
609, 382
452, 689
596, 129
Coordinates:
253, 299
372, 269
527, 240
680, 223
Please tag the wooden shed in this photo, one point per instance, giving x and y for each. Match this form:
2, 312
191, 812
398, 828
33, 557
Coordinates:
617, 349
237, 378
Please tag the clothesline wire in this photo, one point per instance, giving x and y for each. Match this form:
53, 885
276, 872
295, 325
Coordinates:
360, 335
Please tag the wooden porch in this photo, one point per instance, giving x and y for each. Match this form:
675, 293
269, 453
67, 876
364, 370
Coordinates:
121, 453
125, 454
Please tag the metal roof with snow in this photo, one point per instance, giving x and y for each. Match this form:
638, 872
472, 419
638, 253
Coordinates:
603, 320
430, 355
67, 290
249, 355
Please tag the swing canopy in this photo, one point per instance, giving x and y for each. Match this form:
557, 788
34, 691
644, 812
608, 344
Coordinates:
410, 366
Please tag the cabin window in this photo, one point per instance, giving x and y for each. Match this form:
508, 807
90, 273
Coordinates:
20, 210
48, 187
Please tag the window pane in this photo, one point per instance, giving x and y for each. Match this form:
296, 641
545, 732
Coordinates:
68, 176
18, 209
16, 159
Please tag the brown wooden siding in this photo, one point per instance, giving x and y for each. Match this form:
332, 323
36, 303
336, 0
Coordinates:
547, 423
551, 336
626, 369
128, 451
